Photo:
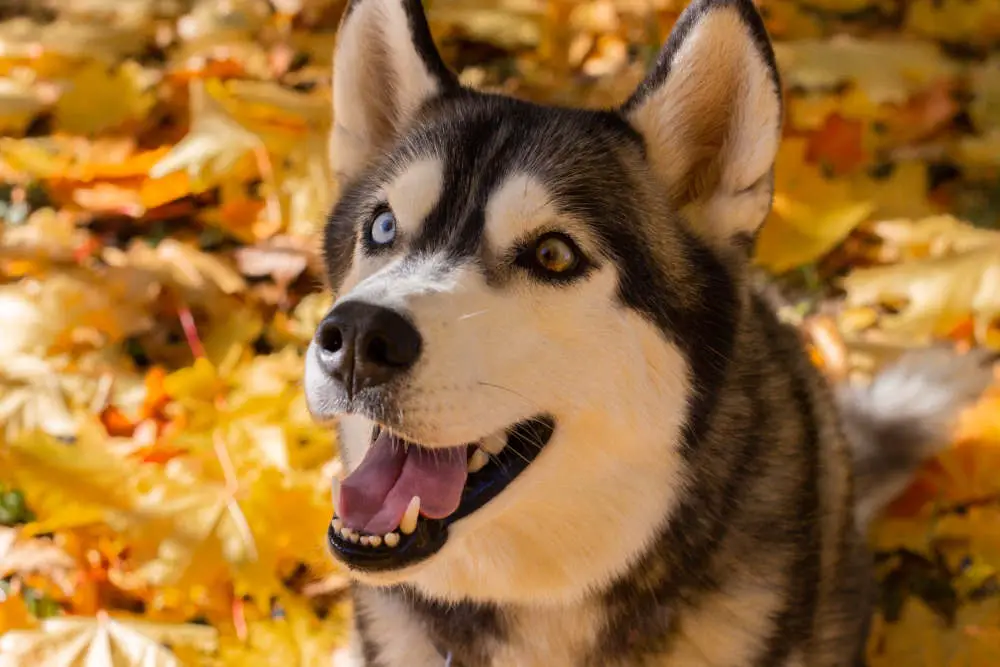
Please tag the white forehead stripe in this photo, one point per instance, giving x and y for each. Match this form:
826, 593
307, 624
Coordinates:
518, 205
414, 192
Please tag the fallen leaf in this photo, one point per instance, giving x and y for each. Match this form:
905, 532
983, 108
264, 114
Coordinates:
102, 640
98, 99
810, 214
937, 293
887, 71
837, 145
35, 556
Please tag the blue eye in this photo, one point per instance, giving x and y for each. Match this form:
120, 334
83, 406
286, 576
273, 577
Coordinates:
383, 229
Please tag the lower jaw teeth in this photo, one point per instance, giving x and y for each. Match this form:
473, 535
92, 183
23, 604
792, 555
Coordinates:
478, 460
389, 539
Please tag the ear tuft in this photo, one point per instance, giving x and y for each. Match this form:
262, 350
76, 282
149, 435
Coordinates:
710, 114
385, 68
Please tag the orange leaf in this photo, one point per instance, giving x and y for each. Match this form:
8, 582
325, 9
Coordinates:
156, 394
159, 453
116, 423
13, 614
924, 114
837, 144
159, 191
138, 164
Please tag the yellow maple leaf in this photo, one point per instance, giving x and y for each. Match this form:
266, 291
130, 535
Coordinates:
936, 293
294, 637
14, 614
102, 640
888, 71
810, 214
213, 146
955, 21
70, 486
99, 99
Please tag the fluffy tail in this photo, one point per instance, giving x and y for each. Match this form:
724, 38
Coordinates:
906, 416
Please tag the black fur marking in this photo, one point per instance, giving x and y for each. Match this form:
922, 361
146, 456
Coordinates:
691, 16
465, 629
640, 620
340, 235
369, 650
793, 625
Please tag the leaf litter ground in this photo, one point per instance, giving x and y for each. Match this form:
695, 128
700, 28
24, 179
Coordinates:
163, 491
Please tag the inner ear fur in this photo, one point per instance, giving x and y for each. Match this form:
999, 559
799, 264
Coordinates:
385, 68
710, 114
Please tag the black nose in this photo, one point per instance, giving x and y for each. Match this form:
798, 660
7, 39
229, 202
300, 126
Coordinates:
363, 345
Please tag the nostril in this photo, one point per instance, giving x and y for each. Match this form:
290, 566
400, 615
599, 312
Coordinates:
377, 351
331, 339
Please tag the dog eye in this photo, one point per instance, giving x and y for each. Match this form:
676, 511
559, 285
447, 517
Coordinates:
556, 254
383, 229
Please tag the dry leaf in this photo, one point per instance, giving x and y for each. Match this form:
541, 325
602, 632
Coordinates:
70, 641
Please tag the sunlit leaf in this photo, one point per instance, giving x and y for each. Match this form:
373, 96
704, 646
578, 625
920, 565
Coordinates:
65, 642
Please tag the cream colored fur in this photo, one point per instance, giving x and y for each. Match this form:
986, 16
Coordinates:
605, 464
712, 128
379, 81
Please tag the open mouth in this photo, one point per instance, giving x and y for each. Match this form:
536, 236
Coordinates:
395, 508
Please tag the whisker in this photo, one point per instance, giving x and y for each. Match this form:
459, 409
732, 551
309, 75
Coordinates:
468, 316
507, 389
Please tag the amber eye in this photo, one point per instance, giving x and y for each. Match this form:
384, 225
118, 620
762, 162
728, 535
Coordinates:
556, 255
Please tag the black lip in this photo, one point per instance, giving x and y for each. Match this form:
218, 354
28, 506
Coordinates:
524, 442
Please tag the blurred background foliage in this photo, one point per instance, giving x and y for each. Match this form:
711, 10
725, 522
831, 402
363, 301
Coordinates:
163, 177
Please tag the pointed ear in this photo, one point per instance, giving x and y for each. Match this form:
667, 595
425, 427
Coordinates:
710, 114
385, 67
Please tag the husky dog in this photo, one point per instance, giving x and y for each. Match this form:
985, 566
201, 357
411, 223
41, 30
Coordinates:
576, 434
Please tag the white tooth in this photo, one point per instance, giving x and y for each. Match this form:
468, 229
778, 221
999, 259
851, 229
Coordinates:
375, 540
364, 540
408, 523
354, 538
391, 539
494, 444
335, 493
337, 525
478, 459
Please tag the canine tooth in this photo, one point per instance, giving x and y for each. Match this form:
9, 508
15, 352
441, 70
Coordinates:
375, 541
478, 459
494, 444
338, 525
408, 523
354, 538
391, 539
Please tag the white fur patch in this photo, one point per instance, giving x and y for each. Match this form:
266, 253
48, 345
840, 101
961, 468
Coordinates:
517, 206
414, 192
401, 640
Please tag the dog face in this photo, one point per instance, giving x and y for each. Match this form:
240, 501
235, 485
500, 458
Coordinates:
530, 302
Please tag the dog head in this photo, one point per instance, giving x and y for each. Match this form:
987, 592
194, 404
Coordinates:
533, 302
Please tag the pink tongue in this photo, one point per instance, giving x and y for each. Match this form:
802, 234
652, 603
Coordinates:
374, 497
